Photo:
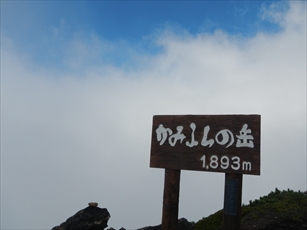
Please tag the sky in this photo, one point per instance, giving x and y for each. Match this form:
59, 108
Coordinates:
82, 80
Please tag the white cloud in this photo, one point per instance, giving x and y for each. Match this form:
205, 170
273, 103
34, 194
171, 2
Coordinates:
73, 137
286, 14
275, 12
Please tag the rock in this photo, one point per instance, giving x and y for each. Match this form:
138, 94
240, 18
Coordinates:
115, 229
93, 204
90, 218
183, 224
158, 227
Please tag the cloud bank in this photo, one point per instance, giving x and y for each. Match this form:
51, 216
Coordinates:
81, 135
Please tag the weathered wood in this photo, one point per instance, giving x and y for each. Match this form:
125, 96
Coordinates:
170, 199
232, 201
206, 143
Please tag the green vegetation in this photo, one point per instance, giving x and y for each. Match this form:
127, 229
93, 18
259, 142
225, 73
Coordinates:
211, 222
278, 206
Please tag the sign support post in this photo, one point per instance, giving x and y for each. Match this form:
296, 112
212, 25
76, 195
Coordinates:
227, 144
232, 201
170, 199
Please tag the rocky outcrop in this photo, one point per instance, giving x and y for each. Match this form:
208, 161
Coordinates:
90, 218
183, 224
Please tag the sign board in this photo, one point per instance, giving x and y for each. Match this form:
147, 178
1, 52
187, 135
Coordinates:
216, 143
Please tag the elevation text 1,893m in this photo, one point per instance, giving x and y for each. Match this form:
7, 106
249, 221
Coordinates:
225, 162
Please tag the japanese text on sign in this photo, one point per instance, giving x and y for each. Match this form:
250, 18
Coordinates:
218, 143
244, 139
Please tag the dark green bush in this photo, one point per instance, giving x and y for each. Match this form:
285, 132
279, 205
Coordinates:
289, 205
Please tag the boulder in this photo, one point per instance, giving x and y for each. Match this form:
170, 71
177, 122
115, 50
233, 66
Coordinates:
89, 218
183, 224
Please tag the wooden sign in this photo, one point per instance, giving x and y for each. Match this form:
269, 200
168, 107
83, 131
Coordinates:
216, 143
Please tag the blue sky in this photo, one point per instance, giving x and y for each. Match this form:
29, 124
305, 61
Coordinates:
44, 28
82, 80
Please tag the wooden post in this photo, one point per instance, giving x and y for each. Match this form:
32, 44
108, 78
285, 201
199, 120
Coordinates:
232, 201
170, 199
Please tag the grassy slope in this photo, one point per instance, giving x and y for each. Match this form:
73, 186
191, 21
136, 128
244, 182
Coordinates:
279, 208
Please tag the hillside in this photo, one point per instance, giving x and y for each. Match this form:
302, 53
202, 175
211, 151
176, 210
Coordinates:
278, 210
